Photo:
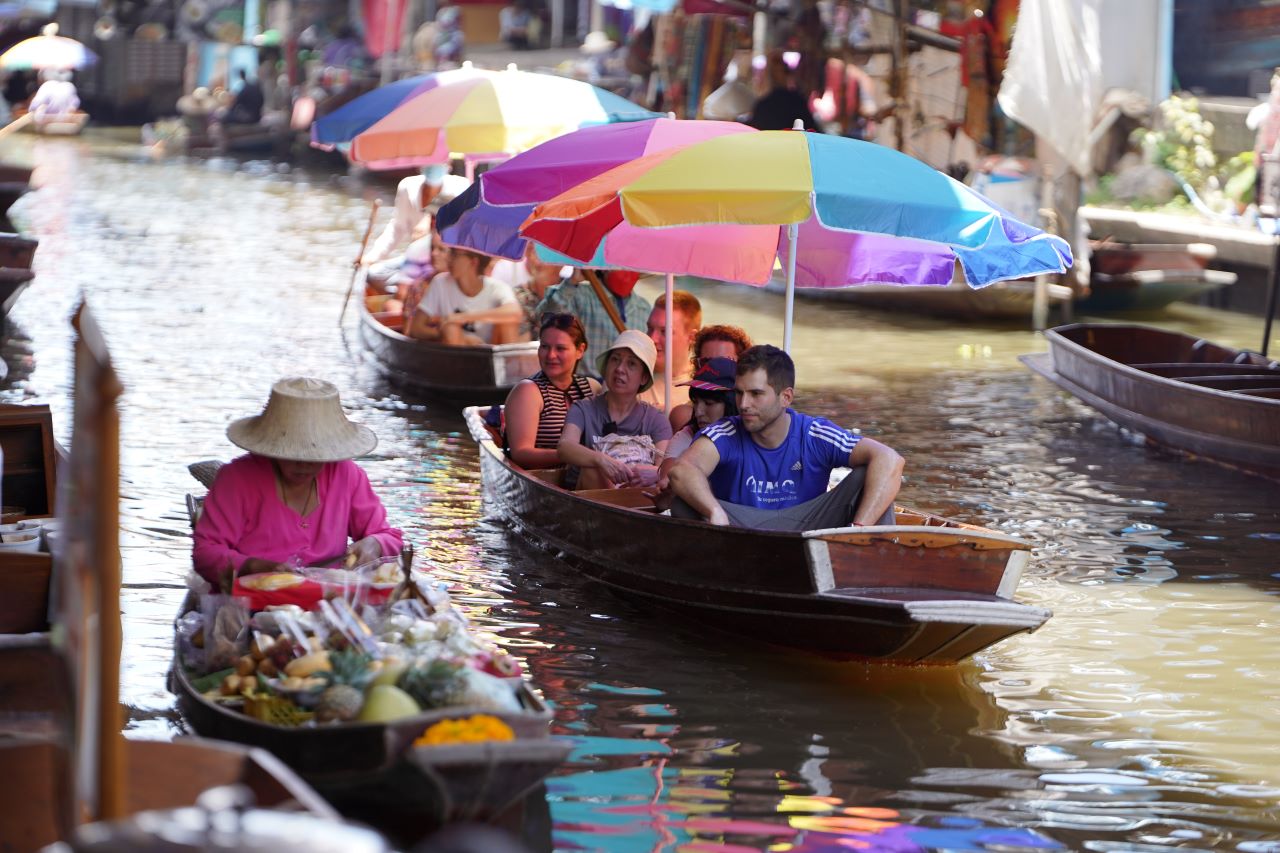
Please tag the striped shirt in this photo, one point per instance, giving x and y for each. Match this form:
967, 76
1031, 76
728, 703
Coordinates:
795, 471
555, 406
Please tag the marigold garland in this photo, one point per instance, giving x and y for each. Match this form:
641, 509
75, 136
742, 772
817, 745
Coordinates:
474, 729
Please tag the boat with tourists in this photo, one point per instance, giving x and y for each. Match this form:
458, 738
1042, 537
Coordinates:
1181, 393
60, 722
923, 590
483, 373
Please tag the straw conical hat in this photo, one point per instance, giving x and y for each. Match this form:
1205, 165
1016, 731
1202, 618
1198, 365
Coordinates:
303, 421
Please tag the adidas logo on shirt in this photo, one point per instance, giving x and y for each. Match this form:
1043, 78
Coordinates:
797, 466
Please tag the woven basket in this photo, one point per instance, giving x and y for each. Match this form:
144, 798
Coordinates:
276, 710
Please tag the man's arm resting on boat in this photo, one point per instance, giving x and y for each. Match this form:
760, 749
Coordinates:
884, 478
689, 480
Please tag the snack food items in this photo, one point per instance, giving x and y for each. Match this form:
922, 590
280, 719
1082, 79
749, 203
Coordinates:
272, 581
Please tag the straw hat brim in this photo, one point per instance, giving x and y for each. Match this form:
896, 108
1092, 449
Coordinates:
300, 444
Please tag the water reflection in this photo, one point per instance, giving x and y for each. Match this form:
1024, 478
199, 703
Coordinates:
1141, 717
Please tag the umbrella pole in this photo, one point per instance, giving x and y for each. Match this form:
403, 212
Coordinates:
793, 235
666, 347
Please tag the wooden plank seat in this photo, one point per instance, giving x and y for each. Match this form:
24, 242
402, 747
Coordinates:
1233, 383
1265, 393
1180, 369
629, 498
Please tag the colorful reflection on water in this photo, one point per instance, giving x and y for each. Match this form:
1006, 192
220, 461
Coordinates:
1144, 716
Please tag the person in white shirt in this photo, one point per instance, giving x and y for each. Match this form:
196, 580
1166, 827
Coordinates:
410, 219
464, 307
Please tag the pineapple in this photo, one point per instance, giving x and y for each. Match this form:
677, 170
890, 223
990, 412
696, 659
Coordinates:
439, 684
343, 698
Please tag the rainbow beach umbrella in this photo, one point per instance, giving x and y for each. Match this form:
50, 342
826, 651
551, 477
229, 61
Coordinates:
835, 211
338, 128
47, 52
487, 217
504, 113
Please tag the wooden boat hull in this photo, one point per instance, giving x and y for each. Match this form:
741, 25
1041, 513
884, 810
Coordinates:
914, 593
1006, 300
1112, 258
483, 373
1150, 290
1115, 369
69, 124
374, 773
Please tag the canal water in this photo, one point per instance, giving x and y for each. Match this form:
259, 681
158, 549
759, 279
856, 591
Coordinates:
1144, 716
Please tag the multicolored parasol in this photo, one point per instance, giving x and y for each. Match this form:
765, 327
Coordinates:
47, 52
338, 128
504, 113
487, 217
728, 207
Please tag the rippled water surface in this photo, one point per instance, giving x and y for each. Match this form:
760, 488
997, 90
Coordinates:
1144, 716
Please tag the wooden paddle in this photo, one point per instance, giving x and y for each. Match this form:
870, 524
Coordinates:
355, 271
17, 124
605, 300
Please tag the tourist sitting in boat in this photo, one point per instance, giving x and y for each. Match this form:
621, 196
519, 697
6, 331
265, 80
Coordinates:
711, 396
56, 98
614, 440
537, 407
464, 307
416, 273
248, 103
296, 498
411, 220
769, 466
719, 342
531, 291
580, 300
688, 319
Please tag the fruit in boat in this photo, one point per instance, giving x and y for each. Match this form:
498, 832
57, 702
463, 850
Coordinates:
246, 665
391, 671
308, 664
386, 703
439, 684
339, 704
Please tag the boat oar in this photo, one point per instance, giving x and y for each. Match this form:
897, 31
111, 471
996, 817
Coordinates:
355, 271
610, 306
17, 124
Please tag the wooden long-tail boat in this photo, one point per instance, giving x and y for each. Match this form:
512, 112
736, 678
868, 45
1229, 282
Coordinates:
1182, 393
474, 373
61, 720
925, 590
374, 773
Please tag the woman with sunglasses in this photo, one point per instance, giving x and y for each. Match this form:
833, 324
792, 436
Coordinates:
537, 406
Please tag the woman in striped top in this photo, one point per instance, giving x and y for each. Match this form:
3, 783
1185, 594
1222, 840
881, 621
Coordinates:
536, 407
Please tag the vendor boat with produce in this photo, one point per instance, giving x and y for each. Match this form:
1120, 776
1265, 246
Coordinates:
364, 679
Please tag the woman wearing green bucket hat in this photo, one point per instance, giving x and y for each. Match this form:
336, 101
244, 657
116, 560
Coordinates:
613, 439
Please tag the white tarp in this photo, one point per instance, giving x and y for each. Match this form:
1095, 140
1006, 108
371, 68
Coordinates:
1053, 80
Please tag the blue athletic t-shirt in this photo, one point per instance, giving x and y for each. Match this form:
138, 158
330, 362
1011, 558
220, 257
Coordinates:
791, 473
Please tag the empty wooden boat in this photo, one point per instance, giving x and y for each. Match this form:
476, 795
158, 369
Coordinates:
1182, 393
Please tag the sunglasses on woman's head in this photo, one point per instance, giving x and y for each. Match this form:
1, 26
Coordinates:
556, 320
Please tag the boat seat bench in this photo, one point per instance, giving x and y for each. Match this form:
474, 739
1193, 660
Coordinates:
1182, 369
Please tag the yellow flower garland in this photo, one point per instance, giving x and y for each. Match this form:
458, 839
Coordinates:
474, 729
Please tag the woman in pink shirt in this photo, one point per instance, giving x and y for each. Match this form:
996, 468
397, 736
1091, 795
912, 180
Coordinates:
296, 499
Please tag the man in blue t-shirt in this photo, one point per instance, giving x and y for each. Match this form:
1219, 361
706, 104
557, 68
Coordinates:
768, 467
